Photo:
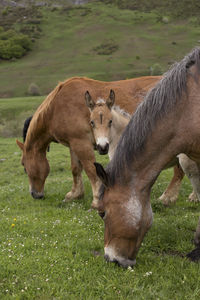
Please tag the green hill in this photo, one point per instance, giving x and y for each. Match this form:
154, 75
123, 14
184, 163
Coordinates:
99, 41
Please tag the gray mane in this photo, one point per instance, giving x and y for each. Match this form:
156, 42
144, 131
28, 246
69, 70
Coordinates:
157, 103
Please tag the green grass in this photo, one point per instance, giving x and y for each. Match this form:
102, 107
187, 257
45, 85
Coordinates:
49, 250
13, 113
69, 37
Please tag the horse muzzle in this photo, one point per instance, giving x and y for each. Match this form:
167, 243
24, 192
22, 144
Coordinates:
103, 149
111, 256
36, 195
122, 262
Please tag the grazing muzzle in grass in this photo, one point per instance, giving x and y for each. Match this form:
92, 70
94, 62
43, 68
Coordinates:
36, 195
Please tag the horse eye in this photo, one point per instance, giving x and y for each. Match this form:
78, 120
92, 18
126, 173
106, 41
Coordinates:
92, 123
102, 214
110, 123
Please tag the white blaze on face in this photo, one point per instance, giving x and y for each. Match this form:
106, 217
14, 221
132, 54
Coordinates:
102, 141
133, 211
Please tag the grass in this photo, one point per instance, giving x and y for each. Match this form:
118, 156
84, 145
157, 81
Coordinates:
49, 250
66, 48
14, 111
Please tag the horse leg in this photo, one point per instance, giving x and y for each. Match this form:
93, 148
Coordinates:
170, 195
77, 190
197, 235
194, 255
85, 153
192, 171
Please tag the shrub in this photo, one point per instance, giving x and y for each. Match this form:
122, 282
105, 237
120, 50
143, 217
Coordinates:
156, 69
13, 45
33, 90
106, 48
22, 40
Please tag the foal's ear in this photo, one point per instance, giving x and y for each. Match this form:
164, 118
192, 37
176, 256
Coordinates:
101, 173
21, 145
111, 100
89, 102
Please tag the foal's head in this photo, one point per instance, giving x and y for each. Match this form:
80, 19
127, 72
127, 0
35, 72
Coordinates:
101, 120
37, 168
127, 217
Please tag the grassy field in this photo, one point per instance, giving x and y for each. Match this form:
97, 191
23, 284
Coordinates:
99, 41
13, 113
51, 250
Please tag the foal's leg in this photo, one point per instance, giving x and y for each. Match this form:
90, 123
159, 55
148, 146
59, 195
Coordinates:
77, 190
192, 171
83, 148
170, 195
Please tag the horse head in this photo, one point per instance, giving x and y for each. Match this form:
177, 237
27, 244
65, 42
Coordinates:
101, 120
37, 168
126, 217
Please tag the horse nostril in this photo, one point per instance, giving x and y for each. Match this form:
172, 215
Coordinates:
107, 147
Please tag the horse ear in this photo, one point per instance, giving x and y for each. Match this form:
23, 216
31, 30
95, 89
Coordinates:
89, 102
101, 173
111, 100
21, 145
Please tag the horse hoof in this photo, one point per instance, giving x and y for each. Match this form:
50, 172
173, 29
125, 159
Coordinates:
67, 200
94, 204
193, 198
194, 255
166, 201
70, 196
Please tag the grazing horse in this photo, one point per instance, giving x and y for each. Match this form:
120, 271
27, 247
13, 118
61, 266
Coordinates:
64, 117
108, 121
165, 124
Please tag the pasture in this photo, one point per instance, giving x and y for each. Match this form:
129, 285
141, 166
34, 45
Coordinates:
51, 250
99, 41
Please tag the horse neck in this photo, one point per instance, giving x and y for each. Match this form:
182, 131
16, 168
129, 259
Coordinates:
120, 121
38, 137
159, 153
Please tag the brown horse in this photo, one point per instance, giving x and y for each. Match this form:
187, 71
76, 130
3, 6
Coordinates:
64, 117
164, 125
109, 121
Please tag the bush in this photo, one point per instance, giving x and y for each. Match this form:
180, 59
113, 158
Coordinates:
156, 69
13, 45
23, 41
33, 90
106, 48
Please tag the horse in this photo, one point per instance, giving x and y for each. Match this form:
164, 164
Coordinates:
165, 124
108, 121
64, 117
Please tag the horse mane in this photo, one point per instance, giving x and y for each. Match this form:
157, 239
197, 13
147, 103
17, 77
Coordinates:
39, 117
157, 103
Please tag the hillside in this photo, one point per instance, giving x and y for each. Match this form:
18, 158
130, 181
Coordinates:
99, 41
